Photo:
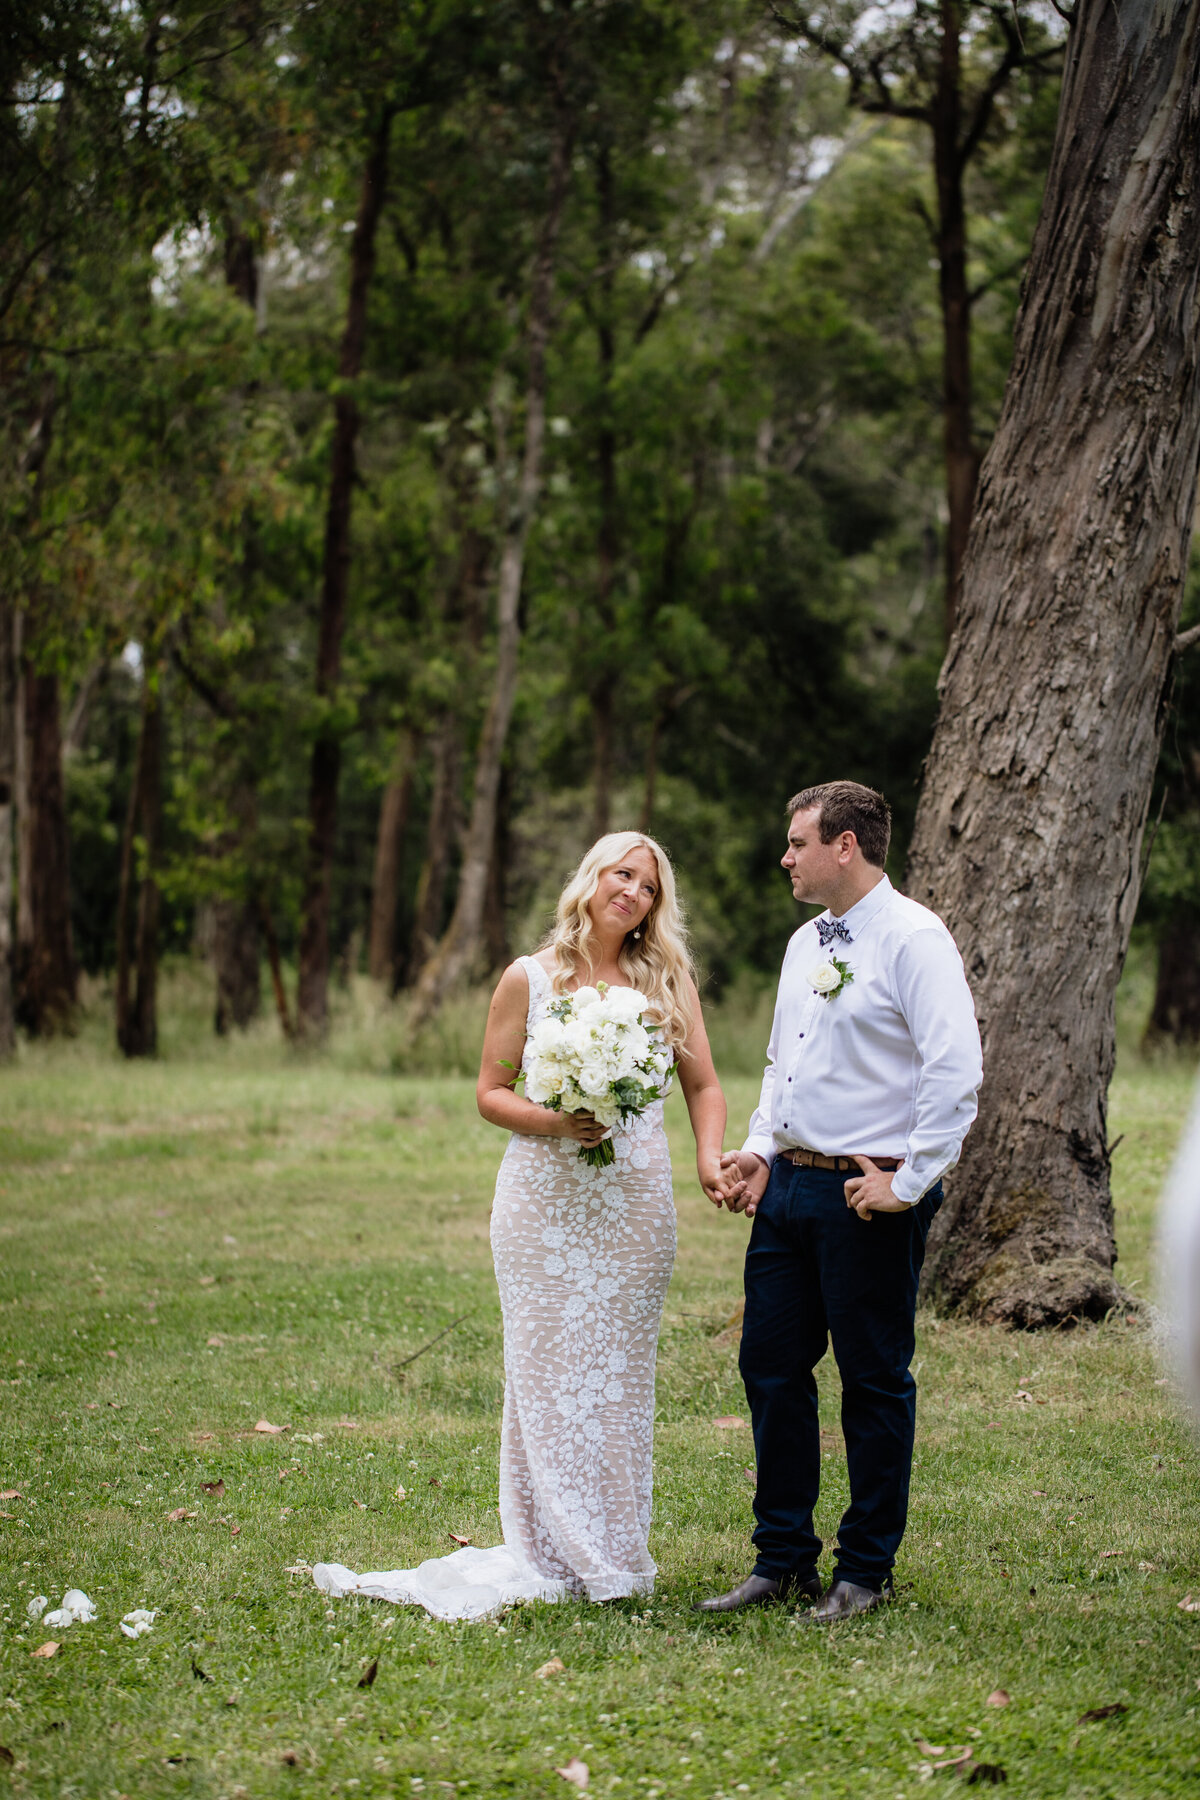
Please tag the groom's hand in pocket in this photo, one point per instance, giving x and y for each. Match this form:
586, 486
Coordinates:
872, 1191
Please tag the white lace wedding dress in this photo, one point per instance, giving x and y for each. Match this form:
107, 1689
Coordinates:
583, 1257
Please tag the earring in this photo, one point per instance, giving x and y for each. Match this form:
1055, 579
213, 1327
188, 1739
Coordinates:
637, 934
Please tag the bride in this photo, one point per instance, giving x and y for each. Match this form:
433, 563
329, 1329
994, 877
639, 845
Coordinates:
583, 1256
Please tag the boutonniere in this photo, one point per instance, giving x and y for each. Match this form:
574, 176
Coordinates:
830, 977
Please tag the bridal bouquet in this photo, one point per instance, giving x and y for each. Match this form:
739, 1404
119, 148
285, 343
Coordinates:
593, 1054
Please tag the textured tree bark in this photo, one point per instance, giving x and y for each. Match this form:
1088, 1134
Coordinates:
458, 953
1028, 832
46, 968
389, 844
1175, 1015
325, 769
439, 840
602, 649
495, 911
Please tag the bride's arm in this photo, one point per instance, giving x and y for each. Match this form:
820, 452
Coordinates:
504, 1042
705, 1104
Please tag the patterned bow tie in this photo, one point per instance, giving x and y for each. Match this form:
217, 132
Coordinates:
828, 929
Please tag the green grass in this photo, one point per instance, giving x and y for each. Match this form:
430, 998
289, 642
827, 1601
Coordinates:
231, 1235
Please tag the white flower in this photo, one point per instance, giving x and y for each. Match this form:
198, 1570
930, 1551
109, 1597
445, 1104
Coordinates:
824, 978
626, 1004
585, 997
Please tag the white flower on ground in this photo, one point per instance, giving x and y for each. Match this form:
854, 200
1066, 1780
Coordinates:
76, 1609
135, 1623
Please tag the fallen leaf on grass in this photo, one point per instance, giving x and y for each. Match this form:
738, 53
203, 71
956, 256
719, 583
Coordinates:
1188, 1604
1148, 1568
344, 1425
434, 1482
199, 1673
930, 1749
370, 1674
729, 1422
216, 1487
208, 1281
998, 1697
1102, 1712
751, 1476
11, 1494
235, 1531
361, 1504
299, 1568
113, 1355
554, 1667
49, 1649
216, 1343
180, 1512
290, 1758
462, 1542
7, 1515
576, 1772
201, 1437
266, 1425
1105, 1554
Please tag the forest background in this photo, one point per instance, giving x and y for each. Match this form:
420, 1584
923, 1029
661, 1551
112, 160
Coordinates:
435, 434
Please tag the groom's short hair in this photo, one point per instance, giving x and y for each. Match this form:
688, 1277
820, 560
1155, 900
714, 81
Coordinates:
848, 806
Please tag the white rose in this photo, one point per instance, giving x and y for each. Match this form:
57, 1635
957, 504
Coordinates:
824, 978
625, 1004
594, 1078
583, 998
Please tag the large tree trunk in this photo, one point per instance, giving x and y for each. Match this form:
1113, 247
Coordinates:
313, 986
439, 840
389, 844
495, 912
8, 709
1029, 827
1175, 1015
137, 943
46, 965
949, 164
458, 953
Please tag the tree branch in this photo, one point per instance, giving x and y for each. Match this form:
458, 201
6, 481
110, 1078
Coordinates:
1186, 639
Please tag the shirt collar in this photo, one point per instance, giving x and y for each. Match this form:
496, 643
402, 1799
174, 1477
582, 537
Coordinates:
864, 910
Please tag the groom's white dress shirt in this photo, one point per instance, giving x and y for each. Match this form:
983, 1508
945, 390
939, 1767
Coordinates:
889, 1067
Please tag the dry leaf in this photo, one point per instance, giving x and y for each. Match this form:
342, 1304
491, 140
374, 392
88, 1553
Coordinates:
998, 1697
729, 1422
235, 1531
930, 1749
1102, 1712
957, 1759
208, 1280
462, 1542
751, 1476
113, 1355
216, 1487
361, 1504
576, 1772
11, 1494
434, 1482
290, 1758
7, 1515
1040, 1494
50, 1649
300, 1568
216, 1343
265, 1425
370, 1675
181, 1512
1188, 1604
201, 1437
1148, 1568
345, 1425
555, 1666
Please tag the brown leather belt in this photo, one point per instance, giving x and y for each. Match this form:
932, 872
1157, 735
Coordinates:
843, 1165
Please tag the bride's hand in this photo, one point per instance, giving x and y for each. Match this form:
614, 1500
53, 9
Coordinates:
581, 1126
713, 1179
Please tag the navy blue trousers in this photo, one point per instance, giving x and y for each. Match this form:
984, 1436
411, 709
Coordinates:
816, 1271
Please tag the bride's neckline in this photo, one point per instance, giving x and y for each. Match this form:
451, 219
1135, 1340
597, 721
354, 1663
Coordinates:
594, 982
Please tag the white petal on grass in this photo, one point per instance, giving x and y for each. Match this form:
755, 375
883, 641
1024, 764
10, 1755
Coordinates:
37, 1606
135, 1623
76, 1609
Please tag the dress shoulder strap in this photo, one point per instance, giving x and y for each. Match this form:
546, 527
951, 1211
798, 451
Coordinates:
539, 988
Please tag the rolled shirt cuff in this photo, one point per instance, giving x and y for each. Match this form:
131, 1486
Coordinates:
907, 1187
761, 1146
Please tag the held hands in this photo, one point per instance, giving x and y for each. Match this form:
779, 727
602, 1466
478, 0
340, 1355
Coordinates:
745, 1181
872, 1191
712, 1178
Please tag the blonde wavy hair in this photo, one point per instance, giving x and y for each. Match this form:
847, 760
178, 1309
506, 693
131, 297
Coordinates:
658, 963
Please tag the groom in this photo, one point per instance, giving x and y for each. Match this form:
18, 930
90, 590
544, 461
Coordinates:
872, 1073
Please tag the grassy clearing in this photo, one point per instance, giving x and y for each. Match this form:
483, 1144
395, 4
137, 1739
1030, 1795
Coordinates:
193, 1246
